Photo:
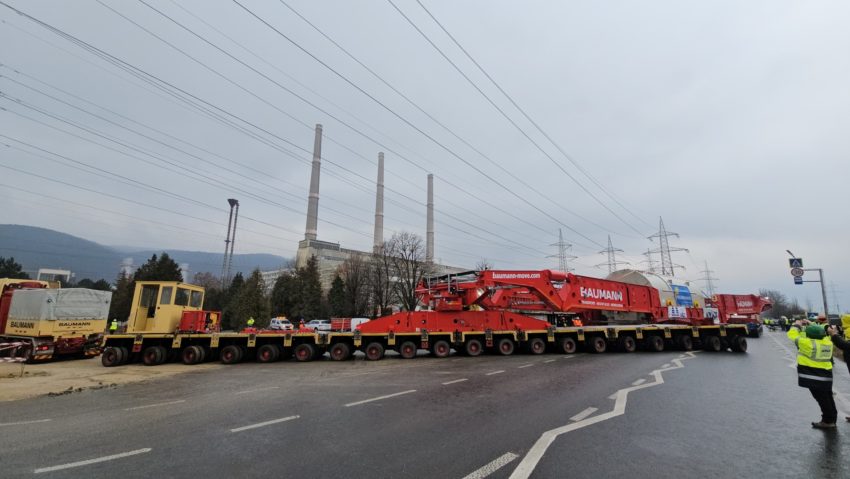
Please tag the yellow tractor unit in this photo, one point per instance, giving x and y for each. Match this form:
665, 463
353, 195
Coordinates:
49, 322
160, 312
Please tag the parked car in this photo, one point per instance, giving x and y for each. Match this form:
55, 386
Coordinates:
319, 325
281, 324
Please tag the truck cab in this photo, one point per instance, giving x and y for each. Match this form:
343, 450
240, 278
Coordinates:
158, 306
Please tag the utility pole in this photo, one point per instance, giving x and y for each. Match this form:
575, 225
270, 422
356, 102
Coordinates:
667, 266
612, 257
227, 262
709, 280
563, 254
649, 262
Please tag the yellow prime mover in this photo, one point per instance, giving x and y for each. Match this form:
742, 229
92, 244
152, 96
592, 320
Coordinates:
50, 321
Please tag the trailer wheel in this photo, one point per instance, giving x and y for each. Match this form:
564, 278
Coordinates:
153, 355
374, 351
407, 350
110, 357
654, 343
686, 343
568, 345
738, 344
473, 347
268, 353
627, 344
231, 354
191, 355
340, 352
304, 352
505, 346
124, 354
597, 344
712, 344
441, 349
536, 346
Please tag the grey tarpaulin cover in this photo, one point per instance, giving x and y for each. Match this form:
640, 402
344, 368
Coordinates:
77, 303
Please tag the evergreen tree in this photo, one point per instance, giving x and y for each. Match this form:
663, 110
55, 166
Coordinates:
11, 269
121, 298
337, 298
159, 269
311, 301
228, 301
286, 296
250, 302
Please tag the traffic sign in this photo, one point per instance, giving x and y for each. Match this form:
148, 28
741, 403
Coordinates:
798, 280
797, 272
795, 262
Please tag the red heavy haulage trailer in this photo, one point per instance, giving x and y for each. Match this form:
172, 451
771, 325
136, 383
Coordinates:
499, 311
742, 309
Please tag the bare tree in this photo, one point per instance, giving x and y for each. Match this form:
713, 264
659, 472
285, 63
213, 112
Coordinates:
355, 275
407, 254
483, 264
380, 280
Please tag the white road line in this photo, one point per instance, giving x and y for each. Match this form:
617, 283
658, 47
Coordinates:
549, 361
639, 382
267, 423
258, 390
613, 396
495, 372
92, 461
583, 414
379, 398
535, 454
567, 357
665, 365
155, 405
492, 466
23, 422
525, 366
455, 381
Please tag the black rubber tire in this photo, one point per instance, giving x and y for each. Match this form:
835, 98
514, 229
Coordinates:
304, 352
505, 346
191, 355
230, 354
536, 346
110, 357
153, 355
685, 342
738, 344
596, 344
627, 344
125, 354
568, 345
654, 343
473, 347
712, 344
441, 349
340, 352
374, 351
268, 353
407, 350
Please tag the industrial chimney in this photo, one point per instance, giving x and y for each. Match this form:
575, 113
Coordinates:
313, 198
379, 205
429, 235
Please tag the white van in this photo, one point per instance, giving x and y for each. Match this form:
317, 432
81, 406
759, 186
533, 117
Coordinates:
281, 324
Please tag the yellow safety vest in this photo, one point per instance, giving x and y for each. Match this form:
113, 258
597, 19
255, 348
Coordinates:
813, 353
113, 326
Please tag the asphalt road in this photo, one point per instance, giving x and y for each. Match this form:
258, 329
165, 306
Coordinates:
640, 415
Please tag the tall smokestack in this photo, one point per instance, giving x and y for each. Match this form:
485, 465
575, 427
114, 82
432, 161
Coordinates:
313, 199
379, 205
429, 235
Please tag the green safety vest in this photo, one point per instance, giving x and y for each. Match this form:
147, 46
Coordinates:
113, 326
813, 353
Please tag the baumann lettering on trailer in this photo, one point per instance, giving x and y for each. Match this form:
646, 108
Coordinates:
745, 304
597, 293
22, 324
516, 275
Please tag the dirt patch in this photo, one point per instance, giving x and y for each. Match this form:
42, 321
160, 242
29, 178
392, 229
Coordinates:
71, 376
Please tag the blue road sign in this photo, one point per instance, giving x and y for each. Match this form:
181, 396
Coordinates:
798, 280
795, 262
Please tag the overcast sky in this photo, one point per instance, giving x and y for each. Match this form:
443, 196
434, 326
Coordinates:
728, 119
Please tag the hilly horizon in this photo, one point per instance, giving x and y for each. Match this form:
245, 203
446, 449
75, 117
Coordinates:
35, 247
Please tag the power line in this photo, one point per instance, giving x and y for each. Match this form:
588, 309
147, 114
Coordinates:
667, 266
612, 262
708, 279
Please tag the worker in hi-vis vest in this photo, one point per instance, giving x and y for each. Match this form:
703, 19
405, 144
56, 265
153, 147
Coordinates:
113, 326
814, 368
251, 322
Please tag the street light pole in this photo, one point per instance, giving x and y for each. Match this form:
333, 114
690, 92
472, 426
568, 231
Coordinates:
822, 284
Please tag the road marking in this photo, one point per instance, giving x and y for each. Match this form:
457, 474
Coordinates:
155, 405
535, 454
92, 461
613, 396
492, 466
525, 366
567, 357
665, 365
495, 372
267, 423
549, 361
379, 398
23, 422
258, 390
583, 414
639, 382
455, 381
